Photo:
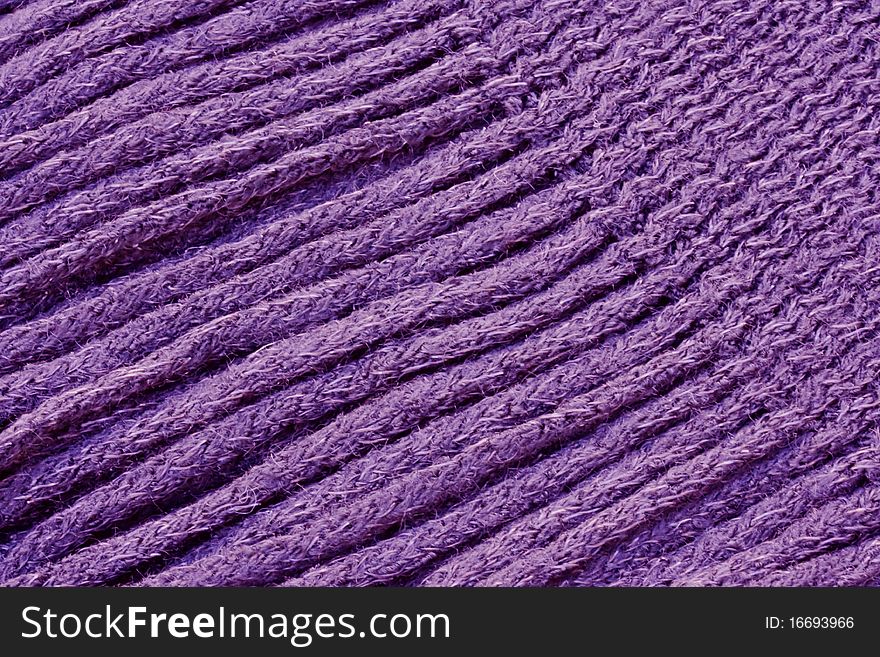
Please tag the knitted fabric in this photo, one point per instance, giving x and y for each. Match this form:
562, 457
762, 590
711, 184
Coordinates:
439, 292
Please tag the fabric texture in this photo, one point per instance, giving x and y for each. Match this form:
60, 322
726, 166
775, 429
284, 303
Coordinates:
439, 292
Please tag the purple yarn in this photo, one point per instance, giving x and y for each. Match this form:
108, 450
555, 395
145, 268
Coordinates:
443, 292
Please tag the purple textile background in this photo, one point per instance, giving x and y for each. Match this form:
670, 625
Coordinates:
439, 292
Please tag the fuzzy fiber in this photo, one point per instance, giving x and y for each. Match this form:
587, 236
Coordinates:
440, 292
